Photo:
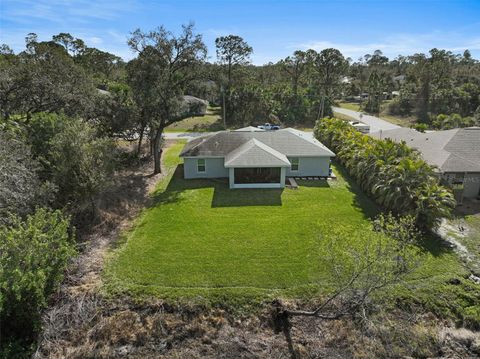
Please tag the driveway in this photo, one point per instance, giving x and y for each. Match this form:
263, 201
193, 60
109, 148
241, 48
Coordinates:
376, 124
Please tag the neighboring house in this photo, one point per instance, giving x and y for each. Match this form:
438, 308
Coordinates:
400, 79
254, 158
455, 153
196, 106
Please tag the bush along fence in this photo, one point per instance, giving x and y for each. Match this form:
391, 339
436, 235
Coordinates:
391, 173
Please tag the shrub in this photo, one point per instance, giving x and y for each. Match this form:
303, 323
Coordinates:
420, 127
393, 174
33, 257
81, 163
447, 122
21, 190
402, 228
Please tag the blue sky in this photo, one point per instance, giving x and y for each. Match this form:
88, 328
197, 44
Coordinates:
273, 28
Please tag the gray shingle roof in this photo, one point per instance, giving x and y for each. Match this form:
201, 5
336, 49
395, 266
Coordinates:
254, 153
250, 129
287, 141
456, 150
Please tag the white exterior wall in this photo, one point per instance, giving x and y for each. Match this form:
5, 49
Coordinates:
214, 168
471, 185
310, 166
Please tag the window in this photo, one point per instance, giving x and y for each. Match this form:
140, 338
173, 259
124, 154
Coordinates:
201, 165
294, 162
454, 178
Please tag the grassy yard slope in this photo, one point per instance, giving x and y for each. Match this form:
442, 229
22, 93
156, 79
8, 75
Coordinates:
210, 122
201, 239
469, 237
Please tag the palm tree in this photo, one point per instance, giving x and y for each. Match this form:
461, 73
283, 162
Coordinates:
393, 174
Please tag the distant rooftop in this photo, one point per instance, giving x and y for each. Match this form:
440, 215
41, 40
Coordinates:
456, 150
250, 129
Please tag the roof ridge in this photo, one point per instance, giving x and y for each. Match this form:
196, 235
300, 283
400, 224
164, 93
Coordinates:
294, 131
206, 138
236, 148
270, 149
462, 158
253, 142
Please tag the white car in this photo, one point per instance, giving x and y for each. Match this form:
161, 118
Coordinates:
360, 127
267, 126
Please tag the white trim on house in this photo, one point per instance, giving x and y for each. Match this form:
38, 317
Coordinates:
256, 185
233, 185
203, 157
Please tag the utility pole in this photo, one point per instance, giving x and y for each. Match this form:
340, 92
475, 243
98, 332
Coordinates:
322, 106
224, 110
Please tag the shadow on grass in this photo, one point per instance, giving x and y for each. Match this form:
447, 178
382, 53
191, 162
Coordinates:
469, 207
360, 199
435, 245
430, 242
223, 196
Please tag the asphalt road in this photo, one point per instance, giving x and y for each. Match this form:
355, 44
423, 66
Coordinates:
376, 124
183, 135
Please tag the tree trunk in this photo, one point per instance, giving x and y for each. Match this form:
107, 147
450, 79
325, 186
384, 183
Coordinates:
281, 323
224, 110
157, 151
140, 139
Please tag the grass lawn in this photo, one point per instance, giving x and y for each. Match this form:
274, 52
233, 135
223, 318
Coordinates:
470, 237
354, 106
210, 122
201, 240
344, 117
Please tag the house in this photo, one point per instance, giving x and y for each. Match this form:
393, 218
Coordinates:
400, 79
194, 105
454, 153
254, 158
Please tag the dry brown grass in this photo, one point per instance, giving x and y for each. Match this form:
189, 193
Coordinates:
89, 327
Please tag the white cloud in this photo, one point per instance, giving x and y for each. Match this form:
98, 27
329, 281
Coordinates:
64, 12
94, 40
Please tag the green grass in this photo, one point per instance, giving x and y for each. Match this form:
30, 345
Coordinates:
341, 116
203, 241
354, 106
471, 238
210, 122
